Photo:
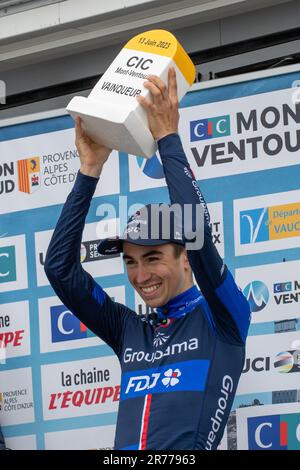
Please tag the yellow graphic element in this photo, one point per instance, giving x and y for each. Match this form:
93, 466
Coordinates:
161, 42
33, 164
284, 221
28, 174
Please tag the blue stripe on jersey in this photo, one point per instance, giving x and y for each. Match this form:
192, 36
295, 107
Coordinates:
98, 294
209, 316
132, 447
179, 376
236, 304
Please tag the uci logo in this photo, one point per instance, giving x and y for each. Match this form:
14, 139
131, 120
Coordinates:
210, 128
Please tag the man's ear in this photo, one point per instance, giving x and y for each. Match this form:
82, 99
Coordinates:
186, 260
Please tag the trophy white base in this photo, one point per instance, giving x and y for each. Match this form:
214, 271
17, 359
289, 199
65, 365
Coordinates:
117, 129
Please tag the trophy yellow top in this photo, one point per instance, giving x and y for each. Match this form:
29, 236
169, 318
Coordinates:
161, 42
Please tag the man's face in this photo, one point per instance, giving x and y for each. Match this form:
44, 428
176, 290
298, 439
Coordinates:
155, 273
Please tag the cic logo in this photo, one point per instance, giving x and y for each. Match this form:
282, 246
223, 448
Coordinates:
210, 128
274, 432
65, 326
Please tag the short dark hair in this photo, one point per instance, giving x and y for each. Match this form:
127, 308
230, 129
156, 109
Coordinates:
178, 249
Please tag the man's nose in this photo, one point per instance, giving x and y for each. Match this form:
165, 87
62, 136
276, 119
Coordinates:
143, 275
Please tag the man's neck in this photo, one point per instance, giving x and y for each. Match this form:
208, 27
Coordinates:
181, 304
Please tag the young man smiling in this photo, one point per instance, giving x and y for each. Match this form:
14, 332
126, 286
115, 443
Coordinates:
159, 274
181, 365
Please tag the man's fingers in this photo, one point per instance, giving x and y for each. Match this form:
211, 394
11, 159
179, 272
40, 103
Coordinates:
160, 84
78, 128
147, 105
155, 91
80, 135
172, 85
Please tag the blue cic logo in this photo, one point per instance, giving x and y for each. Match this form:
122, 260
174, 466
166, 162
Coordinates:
257, 294
151, 167
254, 225
65, 326
274, 432
8, 271
210, 128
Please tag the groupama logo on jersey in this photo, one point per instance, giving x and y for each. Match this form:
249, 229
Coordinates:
151, 167
274, 432
160, 339
257, 295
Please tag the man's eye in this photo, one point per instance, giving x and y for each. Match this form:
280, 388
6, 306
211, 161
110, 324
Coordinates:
152, 259
129, 262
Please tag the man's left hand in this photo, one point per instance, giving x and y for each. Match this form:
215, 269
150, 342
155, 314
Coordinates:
162, 112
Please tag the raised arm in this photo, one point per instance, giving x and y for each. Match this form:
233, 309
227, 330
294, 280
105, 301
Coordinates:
74, 286
228, 306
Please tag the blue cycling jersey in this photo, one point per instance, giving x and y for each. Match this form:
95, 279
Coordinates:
181, 365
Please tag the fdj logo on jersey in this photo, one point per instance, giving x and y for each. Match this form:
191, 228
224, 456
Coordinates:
8, 271
65, 326
274, 432
210, 128
181, 376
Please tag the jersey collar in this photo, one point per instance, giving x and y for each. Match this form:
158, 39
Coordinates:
180, 305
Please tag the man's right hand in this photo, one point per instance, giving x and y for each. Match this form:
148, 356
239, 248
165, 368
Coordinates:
92, 155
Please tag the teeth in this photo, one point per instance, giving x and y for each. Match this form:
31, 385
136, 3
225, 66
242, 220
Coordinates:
148, 290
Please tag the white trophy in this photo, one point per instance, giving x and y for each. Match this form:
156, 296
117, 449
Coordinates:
111, 113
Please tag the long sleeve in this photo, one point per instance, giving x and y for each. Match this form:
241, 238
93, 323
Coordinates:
230, 309
74, 286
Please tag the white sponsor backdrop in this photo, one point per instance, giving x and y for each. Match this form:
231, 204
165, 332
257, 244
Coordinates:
55, 324
14, 329
16, 396
281, 284
242, 139
80, 388
58, 167
96, 438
